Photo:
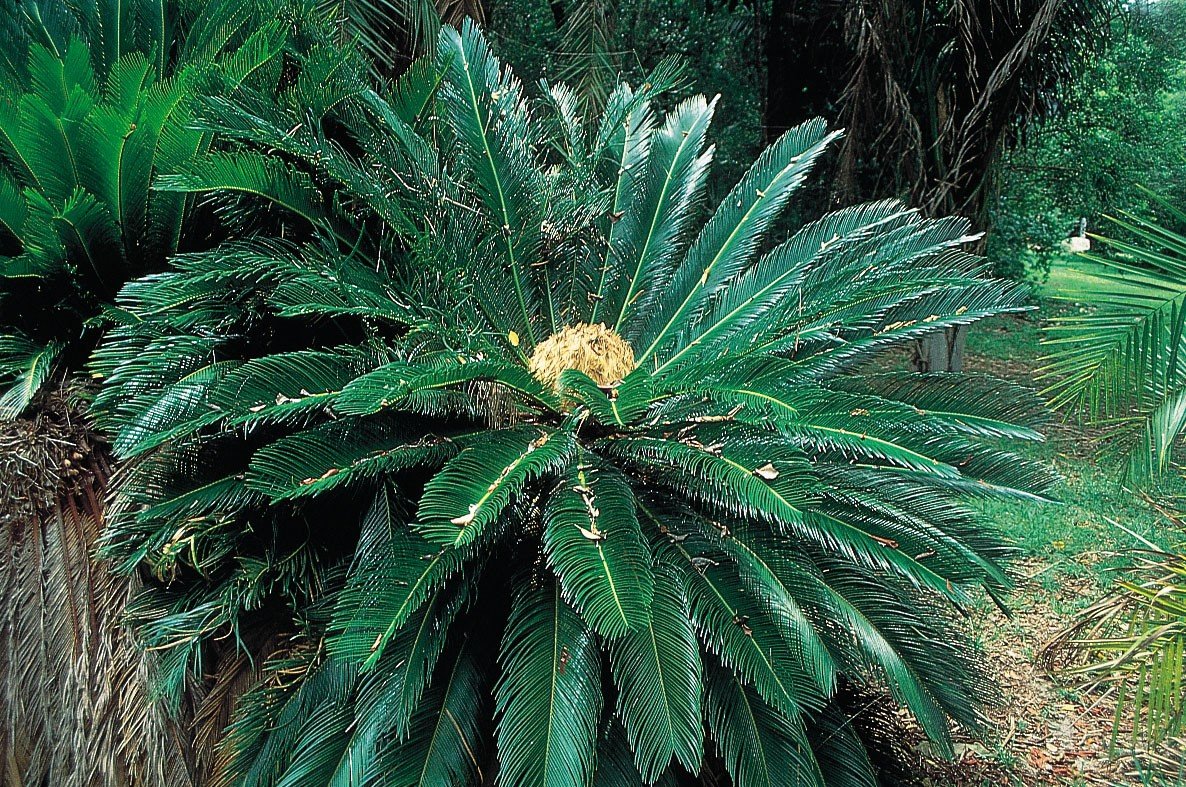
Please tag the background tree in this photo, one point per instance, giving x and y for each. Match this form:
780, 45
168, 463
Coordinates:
934, 93
1122, 131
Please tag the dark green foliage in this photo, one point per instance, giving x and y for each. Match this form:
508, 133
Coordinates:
1122, 130
336, 432
592, 44
97, 106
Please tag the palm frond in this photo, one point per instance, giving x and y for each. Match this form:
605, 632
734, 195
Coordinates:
593, 543
474, 487
474, 91
653, 223
761, 746
27, 366
1123, 359
658, 672
728, 241
548, 699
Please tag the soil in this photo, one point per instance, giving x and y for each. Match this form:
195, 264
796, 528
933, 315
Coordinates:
1046, 731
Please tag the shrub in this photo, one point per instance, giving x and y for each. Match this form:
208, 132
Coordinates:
537, 472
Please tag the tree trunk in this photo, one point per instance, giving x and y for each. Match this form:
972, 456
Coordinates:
75, 709
941, 352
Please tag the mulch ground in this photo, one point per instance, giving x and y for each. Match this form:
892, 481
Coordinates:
1046, 732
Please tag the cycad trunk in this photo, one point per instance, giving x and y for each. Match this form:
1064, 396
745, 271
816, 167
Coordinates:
74, 709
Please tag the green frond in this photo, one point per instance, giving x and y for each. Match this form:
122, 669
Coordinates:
658, 674
646, 239
324, 741
727, 477
735, 628
477, 484
186, 501
615, 762
843, 759
885, 635
548, 699
394, 574
727, 243
447, 742
412, 93
264, 737
14, 207
250, 173
338, 453
1123, 357
760, 745
176, 410
627, 148
1153, 455
392, 385
593, 543
975, 405
761, 569
393, 689
498, 154
755, 297
25, 366
87, 229
1133, 643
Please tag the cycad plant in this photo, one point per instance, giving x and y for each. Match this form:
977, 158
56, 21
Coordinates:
528, 469
1120, 361
1133, 643
96, 103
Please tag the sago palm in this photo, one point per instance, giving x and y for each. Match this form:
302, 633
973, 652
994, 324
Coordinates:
96, 102
529, 474
1122, 360
1133, 643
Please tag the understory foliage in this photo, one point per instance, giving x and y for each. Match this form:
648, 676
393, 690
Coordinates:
96, 103
1119, 363
481, 575
1133, 642
1120, 360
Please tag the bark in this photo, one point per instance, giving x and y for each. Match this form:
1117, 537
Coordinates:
941, 352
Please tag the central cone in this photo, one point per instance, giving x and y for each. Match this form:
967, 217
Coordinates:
596, 350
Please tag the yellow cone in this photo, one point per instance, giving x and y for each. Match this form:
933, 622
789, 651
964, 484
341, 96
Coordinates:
596, 350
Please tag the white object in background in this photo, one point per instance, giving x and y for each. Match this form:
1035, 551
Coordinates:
1079, 242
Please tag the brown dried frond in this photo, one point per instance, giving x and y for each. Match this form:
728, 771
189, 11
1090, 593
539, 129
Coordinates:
75, 704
